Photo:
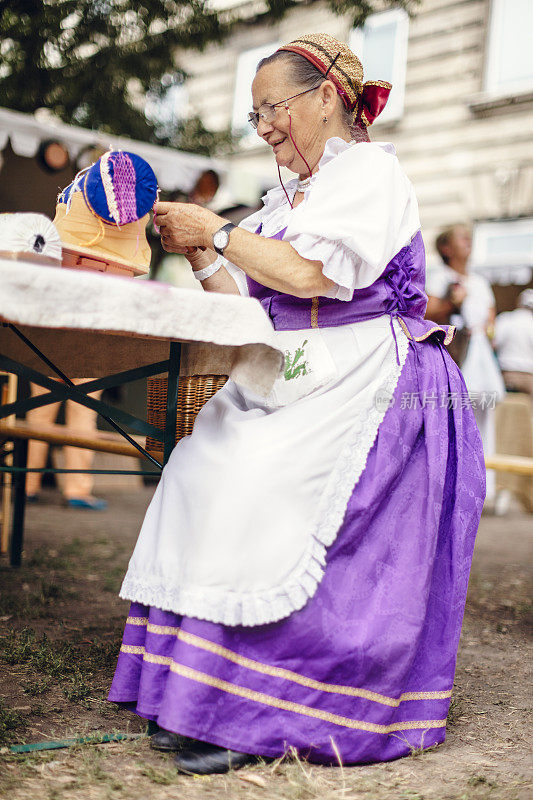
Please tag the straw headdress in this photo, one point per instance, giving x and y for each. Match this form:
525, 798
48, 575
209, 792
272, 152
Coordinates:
335, 59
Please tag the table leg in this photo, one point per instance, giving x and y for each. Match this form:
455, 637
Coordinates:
20, 459
172, 399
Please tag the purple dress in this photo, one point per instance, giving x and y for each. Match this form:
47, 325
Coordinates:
366, 668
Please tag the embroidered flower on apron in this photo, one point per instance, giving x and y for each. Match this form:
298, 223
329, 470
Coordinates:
296, 365
308, 366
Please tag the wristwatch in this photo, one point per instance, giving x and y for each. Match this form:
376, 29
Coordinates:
221, 238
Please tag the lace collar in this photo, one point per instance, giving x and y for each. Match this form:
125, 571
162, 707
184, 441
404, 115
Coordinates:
334, 147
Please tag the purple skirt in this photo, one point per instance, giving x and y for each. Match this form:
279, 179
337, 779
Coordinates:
366, 668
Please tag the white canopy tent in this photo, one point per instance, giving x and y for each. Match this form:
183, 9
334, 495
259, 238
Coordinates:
174, 169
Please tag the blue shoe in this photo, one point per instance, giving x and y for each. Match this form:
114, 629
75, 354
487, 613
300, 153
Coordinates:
32, 498
90, 503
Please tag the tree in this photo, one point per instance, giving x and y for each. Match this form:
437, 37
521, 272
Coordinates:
94, 62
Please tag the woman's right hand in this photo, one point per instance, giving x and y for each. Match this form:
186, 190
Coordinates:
199, 258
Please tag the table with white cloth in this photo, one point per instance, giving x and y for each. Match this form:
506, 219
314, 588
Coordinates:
76, 324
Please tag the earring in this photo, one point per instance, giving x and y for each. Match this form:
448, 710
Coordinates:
324, 120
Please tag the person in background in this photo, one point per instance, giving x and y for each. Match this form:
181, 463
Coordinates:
513, 342
205, 188
77, 488
465, 299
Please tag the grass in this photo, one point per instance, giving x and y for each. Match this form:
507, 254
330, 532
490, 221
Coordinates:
46, 579
29, 606
51, 578
481, 780
131, 771
34, 689
10, 721
455, 711
505, 604
47, 659
163, 777
64, 589
64, 558
81, 668
113, 579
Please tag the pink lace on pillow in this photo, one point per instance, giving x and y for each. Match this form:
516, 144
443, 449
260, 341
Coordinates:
124, 180
120, 189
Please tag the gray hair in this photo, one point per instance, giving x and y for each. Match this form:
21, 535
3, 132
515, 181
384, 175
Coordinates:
308, 76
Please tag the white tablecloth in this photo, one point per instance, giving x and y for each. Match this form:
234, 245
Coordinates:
92, 324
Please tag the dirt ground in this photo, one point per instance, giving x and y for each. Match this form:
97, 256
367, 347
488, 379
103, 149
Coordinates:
60, 629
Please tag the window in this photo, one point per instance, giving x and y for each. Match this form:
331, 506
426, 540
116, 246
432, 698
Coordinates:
509, 64
502, 251
381, 44
242, 98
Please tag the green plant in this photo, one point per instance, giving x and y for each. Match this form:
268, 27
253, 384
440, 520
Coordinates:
9, 722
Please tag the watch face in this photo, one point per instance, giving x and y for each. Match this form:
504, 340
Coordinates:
221, 239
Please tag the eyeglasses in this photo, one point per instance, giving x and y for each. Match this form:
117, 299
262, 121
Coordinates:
267, 112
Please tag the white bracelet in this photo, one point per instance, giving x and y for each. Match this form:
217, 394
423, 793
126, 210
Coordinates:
203, 274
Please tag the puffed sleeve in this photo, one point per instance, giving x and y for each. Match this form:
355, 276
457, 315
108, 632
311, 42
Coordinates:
359, 213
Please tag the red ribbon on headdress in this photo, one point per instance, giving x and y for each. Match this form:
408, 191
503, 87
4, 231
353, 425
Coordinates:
370, 103
373, 100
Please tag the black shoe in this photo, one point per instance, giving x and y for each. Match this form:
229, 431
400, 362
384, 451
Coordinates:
169, 742
208, 759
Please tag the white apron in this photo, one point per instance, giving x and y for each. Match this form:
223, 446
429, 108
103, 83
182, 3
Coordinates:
238, 527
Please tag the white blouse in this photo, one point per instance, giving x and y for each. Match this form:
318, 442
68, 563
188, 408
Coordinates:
479, 298
359, 210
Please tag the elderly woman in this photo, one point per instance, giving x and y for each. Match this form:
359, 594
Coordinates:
300, 577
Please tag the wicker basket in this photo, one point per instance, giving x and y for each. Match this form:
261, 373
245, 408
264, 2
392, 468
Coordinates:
193, 392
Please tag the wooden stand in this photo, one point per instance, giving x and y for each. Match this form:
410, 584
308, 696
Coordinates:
9, 395
75, 260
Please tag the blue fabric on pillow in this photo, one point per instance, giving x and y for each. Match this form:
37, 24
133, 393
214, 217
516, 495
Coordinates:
145, 187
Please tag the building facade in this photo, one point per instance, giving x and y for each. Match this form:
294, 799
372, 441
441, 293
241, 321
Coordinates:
460, 114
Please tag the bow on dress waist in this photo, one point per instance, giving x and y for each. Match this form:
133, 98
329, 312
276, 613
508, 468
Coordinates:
404, 297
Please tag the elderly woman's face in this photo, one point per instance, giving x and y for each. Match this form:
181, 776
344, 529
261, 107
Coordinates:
272, 84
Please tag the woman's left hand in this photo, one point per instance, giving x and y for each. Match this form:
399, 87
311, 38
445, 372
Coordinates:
184, 226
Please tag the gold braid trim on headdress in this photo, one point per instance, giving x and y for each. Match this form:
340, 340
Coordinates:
343, 68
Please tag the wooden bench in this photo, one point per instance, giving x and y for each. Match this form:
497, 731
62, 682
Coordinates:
518, 465
102, 441
20, 432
